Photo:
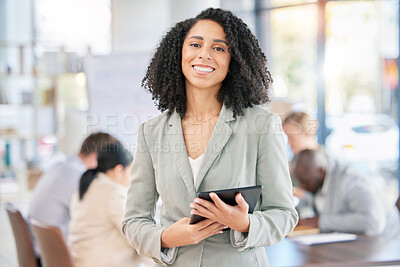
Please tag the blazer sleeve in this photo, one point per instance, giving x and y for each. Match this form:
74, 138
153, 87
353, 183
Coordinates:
139, 224
277, 216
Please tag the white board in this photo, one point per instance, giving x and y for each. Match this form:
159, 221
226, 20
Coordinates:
117, 102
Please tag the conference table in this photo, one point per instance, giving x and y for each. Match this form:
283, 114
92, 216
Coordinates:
365, 251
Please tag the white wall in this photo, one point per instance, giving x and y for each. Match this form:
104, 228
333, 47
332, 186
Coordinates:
184, 9
18, 20
137, 26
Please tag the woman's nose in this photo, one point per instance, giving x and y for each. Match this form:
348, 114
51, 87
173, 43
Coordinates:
205, 54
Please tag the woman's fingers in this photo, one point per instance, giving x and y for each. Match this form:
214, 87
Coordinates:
216, 231
208, 209
202, 211
210, 230
202, 224
241, 202
217, 201
233, 216
205, 203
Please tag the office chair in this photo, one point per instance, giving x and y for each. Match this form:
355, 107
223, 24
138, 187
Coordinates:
23, 239
54, 250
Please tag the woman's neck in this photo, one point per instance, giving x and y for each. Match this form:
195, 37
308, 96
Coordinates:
201, 104
113, 177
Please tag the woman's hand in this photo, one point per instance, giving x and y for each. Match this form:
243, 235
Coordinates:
235, 217
181, 233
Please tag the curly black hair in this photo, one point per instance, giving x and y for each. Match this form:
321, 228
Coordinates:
246, 83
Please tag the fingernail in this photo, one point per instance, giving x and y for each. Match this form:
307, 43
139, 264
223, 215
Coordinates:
191, 205
196, 200
192, 212
220, 232
212, 194
225, 227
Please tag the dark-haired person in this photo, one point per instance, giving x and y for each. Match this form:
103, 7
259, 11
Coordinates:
52, 194
97, 211
209, 75
344, 199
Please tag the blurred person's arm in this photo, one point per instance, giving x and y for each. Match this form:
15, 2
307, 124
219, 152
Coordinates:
312, 222
305, 205
365, 213
298, 192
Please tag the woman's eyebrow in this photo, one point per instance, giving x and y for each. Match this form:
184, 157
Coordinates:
196, 37
220, 41
201, 38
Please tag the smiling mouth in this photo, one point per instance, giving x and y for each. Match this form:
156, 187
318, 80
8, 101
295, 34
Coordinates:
203, 69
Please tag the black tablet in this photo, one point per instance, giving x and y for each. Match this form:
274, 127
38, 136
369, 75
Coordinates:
250, 194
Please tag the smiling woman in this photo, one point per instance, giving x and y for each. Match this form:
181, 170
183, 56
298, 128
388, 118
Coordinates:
247, 80
205, 57
210, 74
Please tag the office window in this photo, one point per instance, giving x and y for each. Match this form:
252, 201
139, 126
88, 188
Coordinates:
361, 42
75, 25
279, 3
293, 55
360, 75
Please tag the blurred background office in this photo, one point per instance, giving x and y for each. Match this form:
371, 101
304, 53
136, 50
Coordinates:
72, 67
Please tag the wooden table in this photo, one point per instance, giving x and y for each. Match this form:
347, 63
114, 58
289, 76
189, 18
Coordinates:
365, 251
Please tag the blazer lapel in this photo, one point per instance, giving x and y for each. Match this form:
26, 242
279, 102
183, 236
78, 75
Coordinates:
179, 153
220, 136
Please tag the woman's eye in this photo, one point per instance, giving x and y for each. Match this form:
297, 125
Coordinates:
195, 45
219, 49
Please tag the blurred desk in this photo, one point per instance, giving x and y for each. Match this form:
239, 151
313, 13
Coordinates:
366, 251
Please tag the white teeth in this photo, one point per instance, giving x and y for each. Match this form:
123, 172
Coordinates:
203, 69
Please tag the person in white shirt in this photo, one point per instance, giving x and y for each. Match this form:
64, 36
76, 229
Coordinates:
344, 200
97, 211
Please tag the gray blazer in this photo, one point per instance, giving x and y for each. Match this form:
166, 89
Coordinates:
242, 151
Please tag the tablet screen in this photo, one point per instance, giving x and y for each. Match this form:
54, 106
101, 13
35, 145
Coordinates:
250, 194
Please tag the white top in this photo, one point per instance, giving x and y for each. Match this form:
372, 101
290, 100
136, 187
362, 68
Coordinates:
195, 165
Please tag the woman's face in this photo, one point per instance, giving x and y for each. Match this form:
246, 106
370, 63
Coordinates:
205, 56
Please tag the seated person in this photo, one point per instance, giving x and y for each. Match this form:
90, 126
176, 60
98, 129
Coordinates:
344, 200
301, 130
97, 211
52, 194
